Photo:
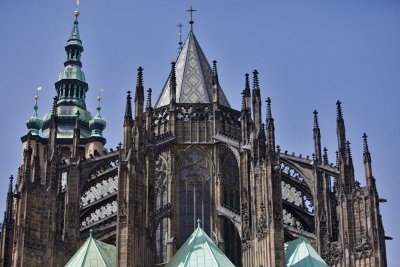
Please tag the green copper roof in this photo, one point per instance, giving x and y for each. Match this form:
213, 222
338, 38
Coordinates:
72, 72
199, 250
299, 253
94, 253
75, 38
97, 124
34, 123
193, 77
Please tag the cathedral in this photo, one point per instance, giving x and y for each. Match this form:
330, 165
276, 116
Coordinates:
187, 158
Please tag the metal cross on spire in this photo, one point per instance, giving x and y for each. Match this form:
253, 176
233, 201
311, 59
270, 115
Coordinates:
191, 10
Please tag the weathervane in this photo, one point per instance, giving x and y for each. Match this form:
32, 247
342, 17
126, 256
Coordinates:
76, 13
191, 10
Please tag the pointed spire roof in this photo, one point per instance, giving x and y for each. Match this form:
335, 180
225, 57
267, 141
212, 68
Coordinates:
199, 250
299, 253
194, 77
94, 253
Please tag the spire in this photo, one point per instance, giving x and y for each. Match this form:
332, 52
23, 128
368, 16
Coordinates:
76, 137
191, 22
128, 121
325, 156
172, 83
148, 100
247, 85
270, 128
366, 154
71, 85
10, 184
348, 154
317, 138
215, 73
10, 198
53, 126
341, 131
215, 85
246, 94
367, 158
256, 101
128, 109
139, 96
180, 44
194, 78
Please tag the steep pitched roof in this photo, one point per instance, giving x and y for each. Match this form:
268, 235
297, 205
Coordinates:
299, 253
199, 250
94, 253
193, 77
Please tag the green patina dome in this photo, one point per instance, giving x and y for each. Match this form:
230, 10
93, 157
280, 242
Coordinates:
97, 124
72, 72
34, 123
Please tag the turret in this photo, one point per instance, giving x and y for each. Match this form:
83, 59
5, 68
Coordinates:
270, 128
317, 139
97, 124
34, 123
256, 101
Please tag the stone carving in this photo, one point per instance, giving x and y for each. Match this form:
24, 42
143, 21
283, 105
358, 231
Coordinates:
363, 248
246, 234
332, 254
262, 227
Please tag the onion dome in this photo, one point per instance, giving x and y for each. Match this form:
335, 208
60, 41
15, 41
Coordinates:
97, 124
34, 123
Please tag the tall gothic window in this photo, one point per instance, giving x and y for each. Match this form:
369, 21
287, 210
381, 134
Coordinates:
194, 193
161, 199
230, 182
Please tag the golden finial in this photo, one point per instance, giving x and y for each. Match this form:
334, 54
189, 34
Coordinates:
76, 13
98, 98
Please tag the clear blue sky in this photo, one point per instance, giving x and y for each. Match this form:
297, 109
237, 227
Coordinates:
308, 53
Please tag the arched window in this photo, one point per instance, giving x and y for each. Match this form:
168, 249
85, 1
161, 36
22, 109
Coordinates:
161, 200
230, 188
194, 193
230, 181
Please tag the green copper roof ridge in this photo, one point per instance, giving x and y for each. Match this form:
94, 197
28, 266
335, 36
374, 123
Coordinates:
211, 250
185, 65
101, 255
87, 248
198, 52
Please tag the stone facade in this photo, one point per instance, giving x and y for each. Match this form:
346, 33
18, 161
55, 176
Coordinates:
186, 158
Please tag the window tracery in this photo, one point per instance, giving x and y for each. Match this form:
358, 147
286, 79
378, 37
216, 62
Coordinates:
194, 177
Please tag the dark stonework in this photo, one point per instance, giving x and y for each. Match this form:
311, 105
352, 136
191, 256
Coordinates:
190, 156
